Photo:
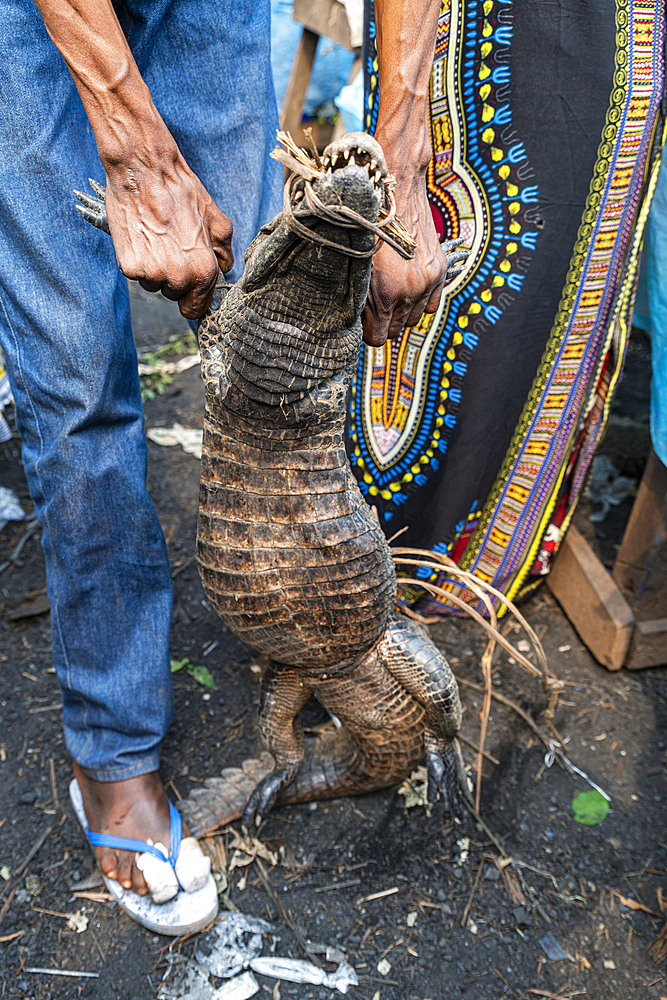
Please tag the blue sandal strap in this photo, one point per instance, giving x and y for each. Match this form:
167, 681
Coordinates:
126, 844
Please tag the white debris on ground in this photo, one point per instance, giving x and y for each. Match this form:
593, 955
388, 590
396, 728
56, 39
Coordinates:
10, 508
189, 438
228, 950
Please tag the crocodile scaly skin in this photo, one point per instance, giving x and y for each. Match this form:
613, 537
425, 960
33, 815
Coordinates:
290, 554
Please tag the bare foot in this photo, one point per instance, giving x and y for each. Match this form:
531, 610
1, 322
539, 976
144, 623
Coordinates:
136, 808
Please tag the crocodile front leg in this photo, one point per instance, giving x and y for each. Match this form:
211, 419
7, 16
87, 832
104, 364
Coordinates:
283, 696
410, 656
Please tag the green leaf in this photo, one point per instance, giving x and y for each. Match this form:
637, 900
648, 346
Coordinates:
590, 807
203, 676
177, 665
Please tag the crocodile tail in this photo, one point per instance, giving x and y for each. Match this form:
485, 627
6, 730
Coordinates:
332, 767
222, 800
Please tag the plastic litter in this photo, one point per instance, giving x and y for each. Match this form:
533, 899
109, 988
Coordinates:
235, 943
191, 982
350, 103
10, 508
555, 749
296, 970
5, 400
189, 438
606, 487
330, 953
552, 948
231, 944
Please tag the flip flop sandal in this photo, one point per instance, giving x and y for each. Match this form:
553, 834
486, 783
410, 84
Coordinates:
186, 911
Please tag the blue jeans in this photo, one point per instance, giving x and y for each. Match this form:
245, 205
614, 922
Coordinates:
65, 330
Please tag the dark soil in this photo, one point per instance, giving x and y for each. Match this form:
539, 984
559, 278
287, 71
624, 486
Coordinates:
453, 925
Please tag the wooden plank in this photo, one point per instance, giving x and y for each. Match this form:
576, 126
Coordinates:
644, 530
641, 568
592, 601
649, 645
324, 17
290, 119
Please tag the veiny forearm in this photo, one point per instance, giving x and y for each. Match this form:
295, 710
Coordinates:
116, 99
167, 231
406, 33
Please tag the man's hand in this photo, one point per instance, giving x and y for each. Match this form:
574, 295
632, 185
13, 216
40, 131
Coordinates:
166, 229
168, 233
402, 290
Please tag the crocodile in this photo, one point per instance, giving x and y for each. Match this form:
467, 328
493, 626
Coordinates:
290, 555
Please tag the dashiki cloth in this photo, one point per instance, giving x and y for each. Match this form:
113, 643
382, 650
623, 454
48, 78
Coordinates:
476, 429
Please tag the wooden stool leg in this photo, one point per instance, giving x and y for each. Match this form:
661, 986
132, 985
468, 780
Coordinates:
295, 95
644, 529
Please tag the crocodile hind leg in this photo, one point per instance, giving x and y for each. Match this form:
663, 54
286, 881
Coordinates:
412, 658
283, 696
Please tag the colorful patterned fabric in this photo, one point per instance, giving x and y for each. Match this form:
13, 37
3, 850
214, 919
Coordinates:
476, 429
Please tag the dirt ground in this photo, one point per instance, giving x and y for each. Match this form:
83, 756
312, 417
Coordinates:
445, 921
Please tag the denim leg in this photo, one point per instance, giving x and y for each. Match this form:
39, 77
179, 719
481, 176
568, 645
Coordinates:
65, 330
208, 67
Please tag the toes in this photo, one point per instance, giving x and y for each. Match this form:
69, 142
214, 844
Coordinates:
108, 864
138, 882
125, 870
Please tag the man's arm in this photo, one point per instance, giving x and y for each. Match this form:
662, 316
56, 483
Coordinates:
167, 231
402, 290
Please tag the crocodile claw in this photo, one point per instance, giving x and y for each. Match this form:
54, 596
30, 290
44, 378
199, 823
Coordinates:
93, 207
264, 796
447, 778
454, 265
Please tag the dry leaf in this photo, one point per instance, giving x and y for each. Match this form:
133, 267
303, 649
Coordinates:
246, 850
414, 788
632, 904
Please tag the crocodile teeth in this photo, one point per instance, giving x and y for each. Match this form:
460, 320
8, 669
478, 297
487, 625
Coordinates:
372, 166
346, 155
298, 196
353, 162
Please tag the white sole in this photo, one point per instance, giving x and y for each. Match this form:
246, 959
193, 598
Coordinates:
186, 913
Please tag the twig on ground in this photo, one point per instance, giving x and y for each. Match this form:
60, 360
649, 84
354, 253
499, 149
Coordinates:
54, 787
338, 885
475, 747
33, 850
466, 912
7, 903
268, 886
657, 949
494, 840
16, 554
64, 972
509, 704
